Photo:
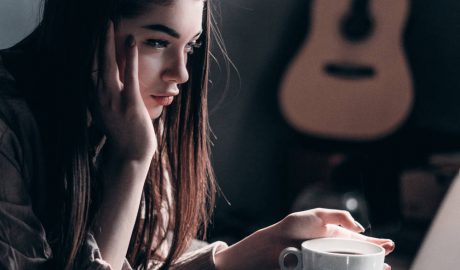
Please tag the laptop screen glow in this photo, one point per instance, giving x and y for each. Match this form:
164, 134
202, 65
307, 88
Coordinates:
440, 249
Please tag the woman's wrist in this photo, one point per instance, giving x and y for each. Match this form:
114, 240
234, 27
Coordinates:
122, 155
257, 251
114, 167
128, 153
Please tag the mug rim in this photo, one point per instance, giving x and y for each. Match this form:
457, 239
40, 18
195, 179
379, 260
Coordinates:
380, 252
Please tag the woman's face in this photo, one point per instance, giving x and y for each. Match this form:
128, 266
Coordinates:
165, 36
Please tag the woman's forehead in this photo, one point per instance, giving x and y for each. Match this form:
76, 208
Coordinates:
174, 10
183, 16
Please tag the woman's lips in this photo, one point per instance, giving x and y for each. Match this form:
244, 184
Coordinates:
163, 100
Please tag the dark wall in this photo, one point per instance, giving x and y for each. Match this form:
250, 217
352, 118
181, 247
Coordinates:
253, 151
432, 43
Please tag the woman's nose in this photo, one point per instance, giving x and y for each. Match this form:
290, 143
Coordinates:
176, 71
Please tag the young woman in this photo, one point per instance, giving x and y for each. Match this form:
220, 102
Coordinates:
104, 150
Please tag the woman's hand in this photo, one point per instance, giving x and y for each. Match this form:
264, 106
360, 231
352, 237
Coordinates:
261, 249
320, 222
131, 142
119, 109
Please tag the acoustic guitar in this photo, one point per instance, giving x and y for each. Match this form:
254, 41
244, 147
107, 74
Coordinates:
350, 80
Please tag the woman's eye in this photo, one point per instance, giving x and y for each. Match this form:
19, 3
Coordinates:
157, 43
192, 46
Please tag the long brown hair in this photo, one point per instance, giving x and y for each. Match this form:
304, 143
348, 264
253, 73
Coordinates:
59, 88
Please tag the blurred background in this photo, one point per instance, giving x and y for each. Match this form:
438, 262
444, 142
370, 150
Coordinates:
351, 104
271, 157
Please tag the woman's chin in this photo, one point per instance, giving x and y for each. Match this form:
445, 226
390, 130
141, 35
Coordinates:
155, 112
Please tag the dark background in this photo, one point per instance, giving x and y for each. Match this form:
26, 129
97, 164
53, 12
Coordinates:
262, 164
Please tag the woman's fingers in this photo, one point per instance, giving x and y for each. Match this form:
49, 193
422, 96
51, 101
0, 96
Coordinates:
131, 77
340, 223
339, 217
389, 246
337, 231
386, 267
110, 68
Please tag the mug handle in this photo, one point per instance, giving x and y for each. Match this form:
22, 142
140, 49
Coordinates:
287, 251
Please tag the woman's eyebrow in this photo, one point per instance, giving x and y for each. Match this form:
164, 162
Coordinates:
162, 28
167, 30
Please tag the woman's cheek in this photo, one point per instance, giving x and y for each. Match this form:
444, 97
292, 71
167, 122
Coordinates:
148, 74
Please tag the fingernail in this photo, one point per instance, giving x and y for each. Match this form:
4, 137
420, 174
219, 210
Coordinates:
130, 41
359, 226
390, 246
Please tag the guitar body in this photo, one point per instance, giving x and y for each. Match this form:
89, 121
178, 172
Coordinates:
342, 89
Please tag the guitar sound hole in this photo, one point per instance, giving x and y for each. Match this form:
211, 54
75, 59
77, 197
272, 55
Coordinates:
358, 23
349, 71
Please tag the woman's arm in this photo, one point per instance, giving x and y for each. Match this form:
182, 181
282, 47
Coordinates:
130, 146
261, 249
117, 213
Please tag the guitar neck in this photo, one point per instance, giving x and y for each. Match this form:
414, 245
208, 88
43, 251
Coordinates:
360, 6
358, 23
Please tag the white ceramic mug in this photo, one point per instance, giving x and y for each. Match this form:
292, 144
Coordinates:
335, 254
